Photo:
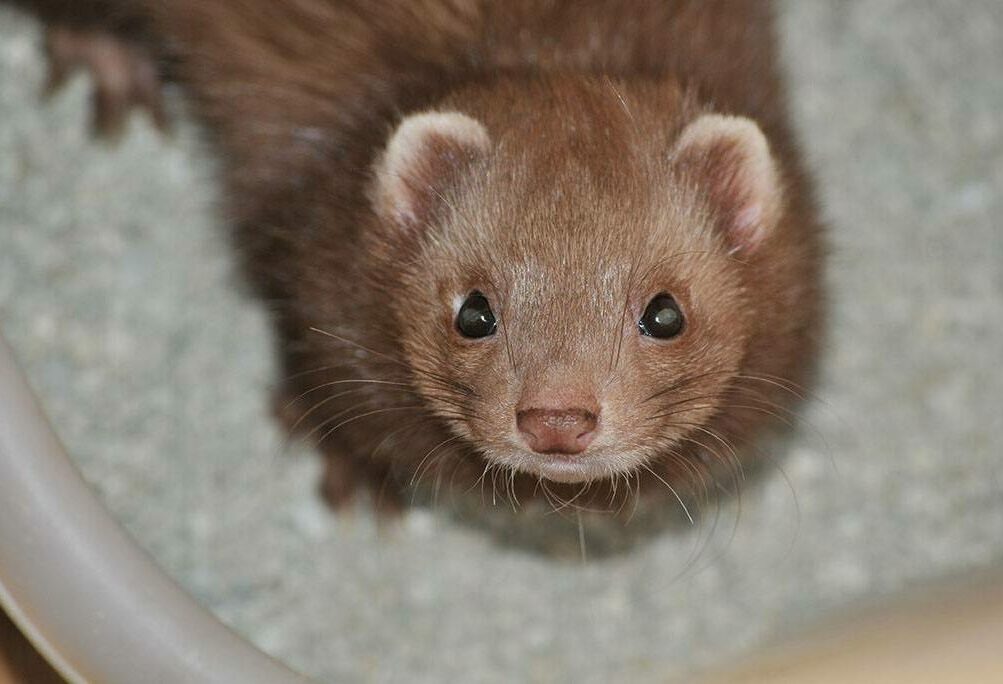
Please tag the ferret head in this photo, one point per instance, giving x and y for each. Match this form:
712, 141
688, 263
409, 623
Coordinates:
577, 295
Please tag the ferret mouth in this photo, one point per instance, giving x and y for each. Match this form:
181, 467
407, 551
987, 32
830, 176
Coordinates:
568, 469
561, 468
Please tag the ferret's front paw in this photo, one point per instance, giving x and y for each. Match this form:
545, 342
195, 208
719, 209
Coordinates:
344, 475
343, 478
339, 483
124, 74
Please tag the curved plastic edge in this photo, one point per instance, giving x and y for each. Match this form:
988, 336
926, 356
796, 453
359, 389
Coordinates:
80, 589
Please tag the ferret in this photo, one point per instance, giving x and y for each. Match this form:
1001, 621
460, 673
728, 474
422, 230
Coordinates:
569, 244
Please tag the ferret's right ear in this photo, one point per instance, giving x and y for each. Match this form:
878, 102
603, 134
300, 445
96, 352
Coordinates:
425, 154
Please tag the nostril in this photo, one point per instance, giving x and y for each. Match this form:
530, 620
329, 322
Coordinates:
563, 431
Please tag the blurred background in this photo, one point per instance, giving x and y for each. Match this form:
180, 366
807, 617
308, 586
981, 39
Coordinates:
118, 292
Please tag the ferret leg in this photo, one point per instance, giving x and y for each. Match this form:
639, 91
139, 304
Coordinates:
125, 75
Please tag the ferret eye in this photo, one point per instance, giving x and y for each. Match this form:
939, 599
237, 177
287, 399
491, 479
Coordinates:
475, 318
662, 318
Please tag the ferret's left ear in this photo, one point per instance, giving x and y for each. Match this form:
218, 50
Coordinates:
729, 158
426, 153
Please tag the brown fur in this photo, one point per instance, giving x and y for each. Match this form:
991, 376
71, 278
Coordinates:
577, 216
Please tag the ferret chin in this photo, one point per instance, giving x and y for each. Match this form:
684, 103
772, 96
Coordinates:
569, 242
560, 467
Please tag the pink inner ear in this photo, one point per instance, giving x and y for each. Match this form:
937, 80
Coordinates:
747, 231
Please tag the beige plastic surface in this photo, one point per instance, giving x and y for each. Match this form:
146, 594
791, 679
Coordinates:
946, 635
89, 599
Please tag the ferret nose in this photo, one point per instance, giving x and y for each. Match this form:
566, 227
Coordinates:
557, 431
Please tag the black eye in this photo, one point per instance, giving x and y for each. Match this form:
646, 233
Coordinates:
475, 318
662, 318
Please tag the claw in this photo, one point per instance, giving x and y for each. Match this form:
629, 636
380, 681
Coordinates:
124, 76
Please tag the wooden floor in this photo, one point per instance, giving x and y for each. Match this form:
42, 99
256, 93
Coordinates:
19, 662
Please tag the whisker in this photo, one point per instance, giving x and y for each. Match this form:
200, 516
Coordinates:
683, 383
505, 338
671, 489
388, 357
626, 491
427, 455
514, 498
727, 407
494, 487
637, 494
365, 415
392, 434
323, 402
327, 421
713, 434
319, 369
702, 542
733, 461
619, 335
438, 478
481, 480
351, 381
565, 504
684, 402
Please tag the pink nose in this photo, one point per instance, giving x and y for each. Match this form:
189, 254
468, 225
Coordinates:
557, 431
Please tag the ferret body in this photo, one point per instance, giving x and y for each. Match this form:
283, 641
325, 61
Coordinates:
571, 244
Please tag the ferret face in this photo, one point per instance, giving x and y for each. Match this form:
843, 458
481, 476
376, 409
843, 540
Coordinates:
594, 316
